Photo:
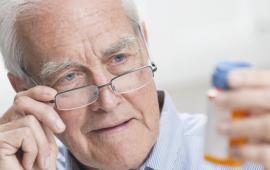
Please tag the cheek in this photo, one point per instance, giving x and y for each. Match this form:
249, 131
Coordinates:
73, 121
146, 102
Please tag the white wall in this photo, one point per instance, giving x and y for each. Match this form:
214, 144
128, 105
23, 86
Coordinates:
187, 38
6, 92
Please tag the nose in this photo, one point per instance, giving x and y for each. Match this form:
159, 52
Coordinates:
107, 99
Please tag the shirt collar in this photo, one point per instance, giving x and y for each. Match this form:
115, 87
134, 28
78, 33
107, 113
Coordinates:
166, 150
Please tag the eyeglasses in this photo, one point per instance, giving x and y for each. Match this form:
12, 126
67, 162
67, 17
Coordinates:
124, 83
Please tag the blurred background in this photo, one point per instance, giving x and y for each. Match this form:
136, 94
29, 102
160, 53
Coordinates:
187, 39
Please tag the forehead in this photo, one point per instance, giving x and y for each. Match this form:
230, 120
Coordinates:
69, 27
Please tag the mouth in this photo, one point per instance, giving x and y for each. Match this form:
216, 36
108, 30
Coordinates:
115, 128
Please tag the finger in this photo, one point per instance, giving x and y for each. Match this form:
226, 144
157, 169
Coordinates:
21, 139
44, 113
255, 128
50, 136
39, 93
243, 78
244, 99
40, 137
10, 115
259, 153
257, 112
53, 148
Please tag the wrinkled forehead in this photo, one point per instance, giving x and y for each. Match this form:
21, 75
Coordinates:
63, 27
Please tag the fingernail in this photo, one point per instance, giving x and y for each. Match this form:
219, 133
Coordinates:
60, 126
216, 96
212, 94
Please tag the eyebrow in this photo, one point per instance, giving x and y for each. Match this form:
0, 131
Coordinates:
51, 68
123, 43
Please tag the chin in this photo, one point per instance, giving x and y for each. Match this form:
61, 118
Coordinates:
128, 152
123, 160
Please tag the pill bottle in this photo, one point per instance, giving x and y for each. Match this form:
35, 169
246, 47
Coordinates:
216, 145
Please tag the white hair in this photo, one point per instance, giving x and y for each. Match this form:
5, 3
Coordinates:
10, 45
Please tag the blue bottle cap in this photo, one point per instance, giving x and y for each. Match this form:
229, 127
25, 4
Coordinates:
220, 75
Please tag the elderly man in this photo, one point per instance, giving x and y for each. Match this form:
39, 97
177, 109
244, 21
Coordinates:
82, 72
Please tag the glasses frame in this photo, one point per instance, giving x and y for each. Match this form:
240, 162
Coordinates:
153, 68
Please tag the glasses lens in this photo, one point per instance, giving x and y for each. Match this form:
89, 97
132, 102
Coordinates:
133, 80
76, 98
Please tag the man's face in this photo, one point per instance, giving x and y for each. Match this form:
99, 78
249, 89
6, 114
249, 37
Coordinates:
97, 39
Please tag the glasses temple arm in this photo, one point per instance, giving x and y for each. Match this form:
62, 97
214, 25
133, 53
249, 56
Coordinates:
153, 65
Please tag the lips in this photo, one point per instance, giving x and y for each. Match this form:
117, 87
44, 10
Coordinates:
112, 127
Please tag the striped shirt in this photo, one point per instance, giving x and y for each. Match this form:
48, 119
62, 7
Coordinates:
179, 145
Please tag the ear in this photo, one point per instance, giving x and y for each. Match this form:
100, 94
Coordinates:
144, 31
17, 84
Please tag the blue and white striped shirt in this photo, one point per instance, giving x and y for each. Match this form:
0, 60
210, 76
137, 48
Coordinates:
179, 145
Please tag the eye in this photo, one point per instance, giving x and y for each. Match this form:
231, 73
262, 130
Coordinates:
70, 77
118, 59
